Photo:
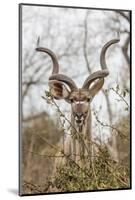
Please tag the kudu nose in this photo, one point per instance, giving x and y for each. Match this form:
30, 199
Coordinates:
79, 115
78, 118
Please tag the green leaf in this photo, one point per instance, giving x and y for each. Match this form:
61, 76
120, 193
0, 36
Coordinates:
126, 109
124, 93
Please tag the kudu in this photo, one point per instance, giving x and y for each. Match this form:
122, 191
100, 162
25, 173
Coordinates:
63, 87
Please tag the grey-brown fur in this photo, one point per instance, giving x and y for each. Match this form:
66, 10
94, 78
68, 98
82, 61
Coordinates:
79, 143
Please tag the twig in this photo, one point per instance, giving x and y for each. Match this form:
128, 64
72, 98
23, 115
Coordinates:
110, 126
120, 96
62, 115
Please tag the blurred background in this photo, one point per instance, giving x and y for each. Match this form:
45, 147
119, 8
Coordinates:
76, 36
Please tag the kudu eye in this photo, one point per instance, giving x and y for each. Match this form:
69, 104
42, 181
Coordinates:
72, 100
89, 99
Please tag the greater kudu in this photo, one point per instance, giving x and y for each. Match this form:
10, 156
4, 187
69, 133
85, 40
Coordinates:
63, 87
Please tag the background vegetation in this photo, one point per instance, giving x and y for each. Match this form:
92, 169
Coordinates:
76, 36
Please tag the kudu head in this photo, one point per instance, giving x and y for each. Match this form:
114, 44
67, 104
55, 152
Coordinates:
63, 87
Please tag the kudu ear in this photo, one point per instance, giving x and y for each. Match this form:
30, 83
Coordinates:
58, 90
96, 87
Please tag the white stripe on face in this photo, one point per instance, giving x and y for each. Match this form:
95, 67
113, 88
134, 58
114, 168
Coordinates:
80, 102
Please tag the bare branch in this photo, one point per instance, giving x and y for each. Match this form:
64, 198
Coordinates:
85, 42
127, 17
125, 50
